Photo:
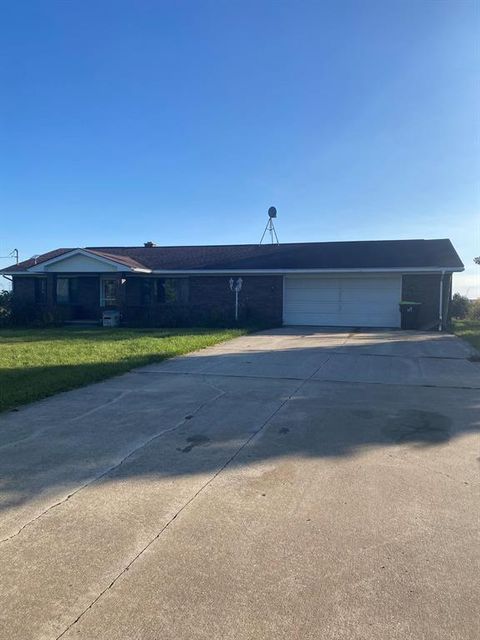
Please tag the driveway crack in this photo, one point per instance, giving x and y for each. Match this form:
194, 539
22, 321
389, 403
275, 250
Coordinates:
253, 435
119, 463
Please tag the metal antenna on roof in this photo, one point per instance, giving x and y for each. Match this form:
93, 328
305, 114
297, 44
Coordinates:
272, 213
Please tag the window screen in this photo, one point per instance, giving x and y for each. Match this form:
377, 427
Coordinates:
63, 291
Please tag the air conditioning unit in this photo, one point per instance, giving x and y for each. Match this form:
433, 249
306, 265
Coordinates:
111, 318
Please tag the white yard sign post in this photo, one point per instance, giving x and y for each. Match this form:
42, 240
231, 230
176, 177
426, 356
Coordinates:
237, 287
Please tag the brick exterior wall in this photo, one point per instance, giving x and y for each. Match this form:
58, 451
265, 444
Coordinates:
260, 300
133, 292
23, 290
28, 310
210, 302
425, 288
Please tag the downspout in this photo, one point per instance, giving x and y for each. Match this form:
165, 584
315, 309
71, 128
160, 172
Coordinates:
440, 306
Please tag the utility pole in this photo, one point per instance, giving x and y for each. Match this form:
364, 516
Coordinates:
12, 254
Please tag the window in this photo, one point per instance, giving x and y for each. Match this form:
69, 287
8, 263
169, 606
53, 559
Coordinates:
164, 291
41, 290
148, 291
63, 290
172, 290
108, 292
73, 290
67, 291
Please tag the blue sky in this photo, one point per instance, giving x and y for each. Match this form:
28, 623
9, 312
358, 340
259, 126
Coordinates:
182, 122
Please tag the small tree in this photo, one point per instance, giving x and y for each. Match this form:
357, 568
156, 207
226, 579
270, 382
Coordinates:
474, 310
459, 306
477, 260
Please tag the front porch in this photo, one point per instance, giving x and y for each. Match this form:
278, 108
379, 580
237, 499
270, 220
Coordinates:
140, 300
83, 298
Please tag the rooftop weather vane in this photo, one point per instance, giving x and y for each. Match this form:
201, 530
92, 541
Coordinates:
272, 213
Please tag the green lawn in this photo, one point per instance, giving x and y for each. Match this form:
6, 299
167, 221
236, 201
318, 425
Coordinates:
36, 363
468, 330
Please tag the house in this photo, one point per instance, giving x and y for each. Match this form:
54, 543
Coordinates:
315, 283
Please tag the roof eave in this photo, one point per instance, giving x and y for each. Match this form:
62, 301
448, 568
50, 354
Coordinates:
30, 272
311, 271
118, 264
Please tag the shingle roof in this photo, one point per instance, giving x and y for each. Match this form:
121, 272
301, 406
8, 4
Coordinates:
116, 257
31, 262
375, 254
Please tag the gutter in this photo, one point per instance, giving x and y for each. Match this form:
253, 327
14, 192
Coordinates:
440, 303
300, 272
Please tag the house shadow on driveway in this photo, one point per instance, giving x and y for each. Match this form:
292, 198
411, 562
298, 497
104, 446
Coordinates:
271, 396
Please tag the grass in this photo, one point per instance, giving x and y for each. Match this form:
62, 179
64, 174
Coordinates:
468, 330
37, 363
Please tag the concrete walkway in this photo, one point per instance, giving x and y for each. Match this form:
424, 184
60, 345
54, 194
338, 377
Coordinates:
293, 484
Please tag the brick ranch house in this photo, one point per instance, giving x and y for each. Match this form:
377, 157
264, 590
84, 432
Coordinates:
317, 283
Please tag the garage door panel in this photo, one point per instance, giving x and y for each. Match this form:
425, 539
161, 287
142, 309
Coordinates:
369, 301
316, 307
336, 320
314, 294
315, 319
361, 297
317, 296
364, 304
354, 283
312, 283
377, 291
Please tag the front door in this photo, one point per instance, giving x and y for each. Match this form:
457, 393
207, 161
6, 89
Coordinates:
108, 292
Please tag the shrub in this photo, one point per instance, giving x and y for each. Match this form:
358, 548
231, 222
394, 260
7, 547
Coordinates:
5, 307
30, 315
474, 310
459, 306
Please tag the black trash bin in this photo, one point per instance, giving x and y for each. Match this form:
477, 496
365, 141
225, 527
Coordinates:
409, 314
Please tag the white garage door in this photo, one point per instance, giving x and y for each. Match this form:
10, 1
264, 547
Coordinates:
367, 301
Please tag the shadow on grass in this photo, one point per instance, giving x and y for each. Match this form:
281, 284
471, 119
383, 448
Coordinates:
29, 384
97, 334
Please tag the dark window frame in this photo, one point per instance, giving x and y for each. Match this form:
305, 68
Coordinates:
107, 301
72, 291
59, 299
166, 287
40, 290
165, 291
148, 292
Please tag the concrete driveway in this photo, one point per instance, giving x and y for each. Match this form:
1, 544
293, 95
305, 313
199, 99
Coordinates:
293, 484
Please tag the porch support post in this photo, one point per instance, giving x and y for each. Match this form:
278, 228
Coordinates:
122, 292
51, 297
